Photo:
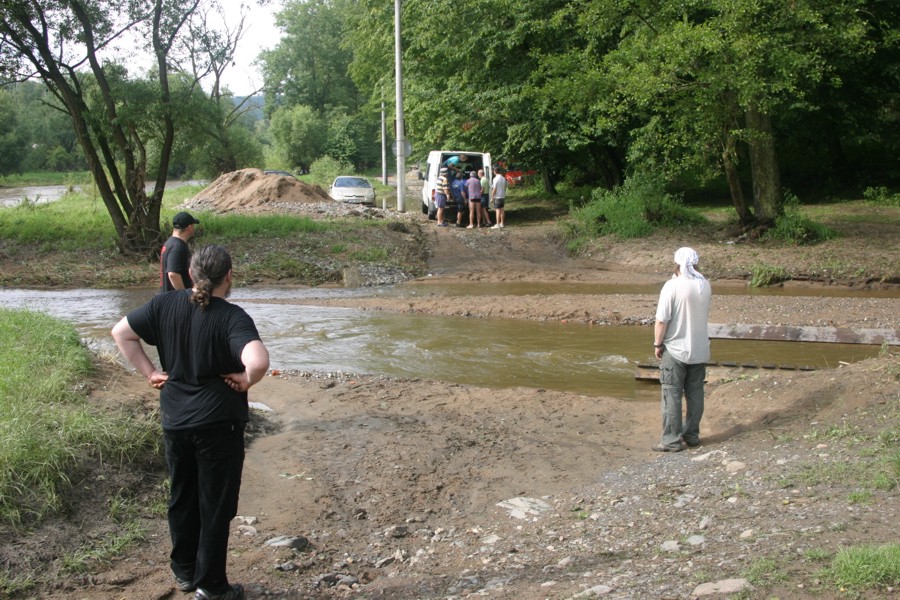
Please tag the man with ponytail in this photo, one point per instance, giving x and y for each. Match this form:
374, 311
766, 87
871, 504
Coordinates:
210, 354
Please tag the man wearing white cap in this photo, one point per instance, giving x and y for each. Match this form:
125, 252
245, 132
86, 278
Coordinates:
681, 342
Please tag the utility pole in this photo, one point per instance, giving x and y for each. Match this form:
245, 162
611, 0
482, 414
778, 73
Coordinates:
384, 175
402, 146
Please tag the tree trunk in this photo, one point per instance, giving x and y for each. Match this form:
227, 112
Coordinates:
734, 181
549, 182
767, 196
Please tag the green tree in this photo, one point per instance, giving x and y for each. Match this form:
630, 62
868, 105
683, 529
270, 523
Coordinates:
712, 75
483, 84
222, 137
309, 65
299, 134
59, 42
309, 71
45, 130
11, 141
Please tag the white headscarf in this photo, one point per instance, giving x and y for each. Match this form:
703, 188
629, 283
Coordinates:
686, 258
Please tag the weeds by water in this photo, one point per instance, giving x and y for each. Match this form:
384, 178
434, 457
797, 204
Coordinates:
763, 275
46, 428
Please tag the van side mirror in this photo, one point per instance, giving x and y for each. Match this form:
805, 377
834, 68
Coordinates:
421, 175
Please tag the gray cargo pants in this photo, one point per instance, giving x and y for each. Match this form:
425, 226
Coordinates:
681, 379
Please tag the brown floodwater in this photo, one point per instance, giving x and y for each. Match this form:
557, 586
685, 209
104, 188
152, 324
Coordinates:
592, 360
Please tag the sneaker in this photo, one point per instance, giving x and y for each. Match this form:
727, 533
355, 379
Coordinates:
661, 448
692, 444
470, 227
496, 226
184, 585
235, 592
441, 224
502, 225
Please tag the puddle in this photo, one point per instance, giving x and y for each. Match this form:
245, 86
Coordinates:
44, 194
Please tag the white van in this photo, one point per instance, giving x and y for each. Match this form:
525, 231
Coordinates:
475, 161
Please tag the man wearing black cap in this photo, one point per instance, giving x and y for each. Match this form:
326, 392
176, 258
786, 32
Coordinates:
175, 257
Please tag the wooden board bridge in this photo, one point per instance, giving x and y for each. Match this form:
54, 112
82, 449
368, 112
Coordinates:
777, 333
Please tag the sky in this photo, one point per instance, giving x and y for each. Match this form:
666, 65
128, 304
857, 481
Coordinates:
260, 34
242, 78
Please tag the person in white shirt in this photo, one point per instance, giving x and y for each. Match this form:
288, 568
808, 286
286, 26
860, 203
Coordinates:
498, 194
681, 342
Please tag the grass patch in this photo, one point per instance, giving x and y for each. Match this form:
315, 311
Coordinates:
229, 227
105, 549
793, 227
634, 209
763, 275
860, 497
865, 567
73, 240
875, 468
816, 555
10, 584
39, 178
371, 255
765, 572
46, 427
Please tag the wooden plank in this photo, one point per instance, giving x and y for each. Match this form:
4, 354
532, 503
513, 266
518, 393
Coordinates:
790, 333
650, 372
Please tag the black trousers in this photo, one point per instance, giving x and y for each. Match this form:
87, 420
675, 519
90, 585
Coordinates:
205, 469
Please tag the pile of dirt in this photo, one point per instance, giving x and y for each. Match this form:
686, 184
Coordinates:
253, 190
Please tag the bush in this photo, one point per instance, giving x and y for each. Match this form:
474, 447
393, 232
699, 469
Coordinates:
763, 275
325, 169
631, 210
792, 227
881, 196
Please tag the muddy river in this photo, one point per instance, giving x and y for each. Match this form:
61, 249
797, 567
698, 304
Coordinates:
595, 360
13, 196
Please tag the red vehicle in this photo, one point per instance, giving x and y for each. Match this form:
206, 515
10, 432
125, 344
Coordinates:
515, 174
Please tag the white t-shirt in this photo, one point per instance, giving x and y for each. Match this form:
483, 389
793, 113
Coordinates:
684, 307
498, 186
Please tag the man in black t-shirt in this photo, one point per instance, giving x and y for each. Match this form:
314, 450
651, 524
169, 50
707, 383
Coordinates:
210, 354
175, 256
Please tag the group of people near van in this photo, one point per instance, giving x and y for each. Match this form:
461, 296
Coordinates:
466, 188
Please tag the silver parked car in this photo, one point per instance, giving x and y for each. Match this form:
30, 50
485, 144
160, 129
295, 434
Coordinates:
354, 189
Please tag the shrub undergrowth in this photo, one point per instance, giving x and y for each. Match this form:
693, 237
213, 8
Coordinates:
881, 196
634, 209
792, 227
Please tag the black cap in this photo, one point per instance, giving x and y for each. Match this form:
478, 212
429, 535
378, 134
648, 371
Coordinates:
183, 220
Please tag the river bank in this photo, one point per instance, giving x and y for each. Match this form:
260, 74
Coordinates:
419, 489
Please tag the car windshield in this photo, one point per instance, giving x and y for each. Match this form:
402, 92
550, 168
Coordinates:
351, 182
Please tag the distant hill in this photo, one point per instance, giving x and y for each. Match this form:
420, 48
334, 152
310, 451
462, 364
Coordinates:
254, 104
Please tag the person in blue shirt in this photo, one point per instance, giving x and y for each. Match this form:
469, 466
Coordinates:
460, 197
459, 162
